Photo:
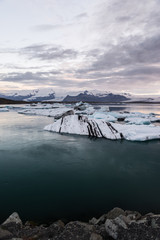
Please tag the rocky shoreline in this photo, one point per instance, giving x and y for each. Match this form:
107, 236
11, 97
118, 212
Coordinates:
116, 224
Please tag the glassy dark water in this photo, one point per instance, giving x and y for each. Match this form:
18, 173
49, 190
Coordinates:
46, 176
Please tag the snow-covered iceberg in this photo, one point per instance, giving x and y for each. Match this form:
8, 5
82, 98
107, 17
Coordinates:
105, 117
55, 112
82, 125
138, 132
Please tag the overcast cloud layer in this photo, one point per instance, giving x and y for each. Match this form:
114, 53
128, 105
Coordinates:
69, 45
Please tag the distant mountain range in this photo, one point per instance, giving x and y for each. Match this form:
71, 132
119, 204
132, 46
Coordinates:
40, 95
96, 97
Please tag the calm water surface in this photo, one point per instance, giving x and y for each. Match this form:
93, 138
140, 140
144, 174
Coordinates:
46, 176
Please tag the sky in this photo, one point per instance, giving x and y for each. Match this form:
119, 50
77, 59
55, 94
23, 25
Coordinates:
72, 45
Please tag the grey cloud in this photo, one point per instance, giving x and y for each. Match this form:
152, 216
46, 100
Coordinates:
80, 16
46, 27
127, 48
34, 47
154, 19
48, 52
123, 19
93, 53
22, 67
139, 71
125, 63
22, 77
51, 27
116, 20
114, 82
127, 54
51, 78
43, 52
29, 76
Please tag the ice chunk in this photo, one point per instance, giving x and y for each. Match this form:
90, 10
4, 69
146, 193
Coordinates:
75, 124
106, 117
55, 112
88, 111
104, 109
4, 109
81, 106
138, 132
82, 125
138, 121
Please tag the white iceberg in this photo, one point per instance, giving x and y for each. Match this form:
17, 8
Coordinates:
4, 109
104, 109
105, 117
55, 112
138, 132
42, 106
128, 117
88, 111
99, 128
83, 126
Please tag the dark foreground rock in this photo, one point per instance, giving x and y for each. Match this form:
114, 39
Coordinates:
116, 224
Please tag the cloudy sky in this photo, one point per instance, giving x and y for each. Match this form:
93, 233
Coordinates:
72, 45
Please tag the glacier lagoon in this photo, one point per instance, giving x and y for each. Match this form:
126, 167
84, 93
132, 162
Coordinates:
46, 176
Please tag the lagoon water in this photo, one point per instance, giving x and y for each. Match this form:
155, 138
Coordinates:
47, 176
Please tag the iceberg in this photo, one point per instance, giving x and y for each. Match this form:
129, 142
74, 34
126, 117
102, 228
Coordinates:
129, 118
138, 132
55, 112
83, 125
106, 117
88, 111
4, 109
81, 106
104, 109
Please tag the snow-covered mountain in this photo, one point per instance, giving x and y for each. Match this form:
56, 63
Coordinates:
48, 94
34, 95
95, 96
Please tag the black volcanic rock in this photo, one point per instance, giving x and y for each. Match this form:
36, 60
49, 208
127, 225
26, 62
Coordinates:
95, 98
114, 225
